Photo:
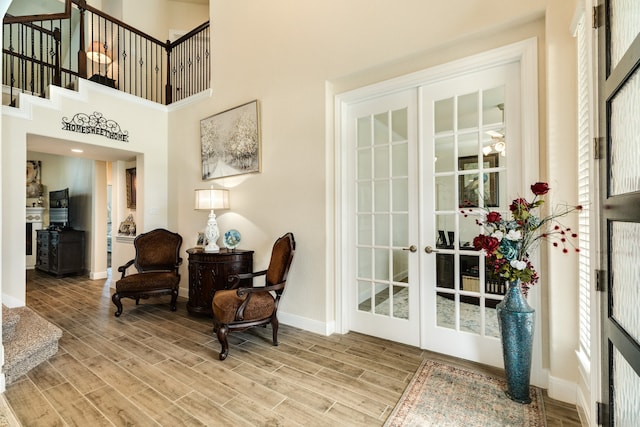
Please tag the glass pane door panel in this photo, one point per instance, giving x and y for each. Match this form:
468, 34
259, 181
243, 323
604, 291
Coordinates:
381, 196
445, 193
470, 314
491, 318
365, 199
400, 234
364, 163
365, 229
381, 162
364, 262
444, 114
364, 132
467, 150
381, 129
493, 107
445, 271
399, 125
400, 265
382, 230
445, 230
624, 26
626, 392
625, 139
468, 111
444, 158
446, 310
382, 298
468, 230
401, 302
625, 253
381, 264
400, 159
400, 195
365, 295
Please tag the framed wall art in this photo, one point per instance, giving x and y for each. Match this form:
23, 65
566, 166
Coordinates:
468, 188
230, 142
131, 188
34, 178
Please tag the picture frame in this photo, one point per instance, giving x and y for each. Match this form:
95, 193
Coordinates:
131, 188
201, 240
468, 195
230, 142
34, 179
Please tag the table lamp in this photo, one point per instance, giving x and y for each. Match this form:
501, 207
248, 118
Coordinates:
211, 199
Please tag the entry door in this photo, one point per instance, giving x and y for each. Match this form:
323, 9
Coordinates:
619, 71
467, 146
383, 212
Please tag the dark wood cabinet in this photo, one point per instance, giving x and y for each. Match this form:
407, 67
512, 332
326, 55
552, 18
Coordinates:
208, 272
60, 252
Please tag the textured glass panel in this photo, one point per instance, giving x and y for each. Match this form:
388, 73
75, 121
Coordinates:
381, 196
626, 392
382, 230
364, 164
468, 111
625, 269
382, 264
364, 131
624, 26
399, 125
400, 159
445, 196
365, 200
365, 230
364, 262
401, 302
364, 296
401, 266
400, 193
625, 138
382, 299
381, 128
444, 115
470, 317
400, 230
444, 161
445, 310
381, 162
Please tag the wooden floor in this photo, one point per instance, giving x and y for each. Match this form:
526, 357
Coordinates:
155, 367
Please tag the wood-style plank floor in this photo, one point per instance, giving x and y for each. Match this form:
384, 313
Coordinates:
155, 367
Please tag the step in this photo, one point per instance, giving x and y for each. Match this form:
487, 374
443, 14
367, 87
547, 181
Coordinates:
34, 342
10, 319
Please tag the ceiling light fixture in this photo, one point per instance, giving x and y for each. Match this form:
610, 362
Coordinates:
77, 150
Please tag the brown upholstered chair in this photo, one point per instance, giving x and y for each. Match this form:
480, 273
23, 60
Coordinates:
237, 309
157, 260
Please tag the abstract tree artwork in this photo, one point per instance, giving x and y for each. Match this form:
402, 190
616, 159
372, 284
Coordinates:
230, 142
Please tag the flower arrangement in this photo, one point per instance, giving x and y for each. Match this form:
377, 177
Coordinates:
508, 242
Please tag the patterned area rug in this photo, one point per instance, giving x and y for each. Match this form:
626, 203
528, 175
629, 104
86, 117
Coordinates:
444, 395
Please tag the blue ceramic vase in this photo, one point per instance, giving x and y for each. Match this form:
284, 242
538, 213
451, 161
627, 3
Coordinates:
515, 319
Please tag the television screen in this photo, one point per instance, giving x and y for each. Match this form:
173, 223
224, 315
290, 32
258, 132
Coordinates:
59, 208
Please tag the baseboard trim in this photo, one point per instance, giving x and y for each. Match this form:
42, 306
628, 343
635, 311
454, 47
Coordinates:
98, 275
563, 390
311, 325
12, 302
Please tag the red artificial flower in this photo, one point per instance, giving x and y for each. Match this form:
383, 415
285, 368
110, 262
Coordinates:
540, 188
493, 216
519, 205
488, 243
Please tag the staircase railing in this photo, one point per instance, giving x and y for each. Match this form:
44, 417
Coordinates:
86, 43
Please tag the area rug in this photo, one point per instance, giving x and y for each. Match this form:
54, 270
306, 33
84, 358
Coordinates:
444, 395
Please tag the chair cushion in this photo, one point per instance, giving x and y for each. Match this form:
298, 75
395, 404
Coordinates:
226, 302
150, 281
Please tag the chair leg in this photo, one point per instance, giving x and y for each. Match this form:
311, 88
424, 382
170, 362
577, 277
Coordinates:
116, 300
274, 326
174, 299
223, 331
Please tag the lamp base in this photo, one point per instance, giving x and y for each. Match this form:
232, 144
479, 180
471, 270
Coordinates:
212, 248
212, 233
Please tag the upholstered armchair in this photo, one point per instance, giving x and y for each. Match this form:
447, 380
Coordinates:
157, 261
237, 309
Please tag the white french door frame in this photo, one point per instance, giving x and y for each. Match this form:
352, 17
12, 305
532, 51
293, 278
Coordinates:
525, 53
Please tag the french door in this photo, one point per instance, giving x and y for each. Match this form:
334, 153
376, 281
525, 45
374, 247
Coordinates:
416, 158
619, 75
383, 214
467, 146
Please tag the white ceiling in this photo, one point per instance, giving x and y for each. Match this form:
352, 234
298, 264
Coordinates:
62, 147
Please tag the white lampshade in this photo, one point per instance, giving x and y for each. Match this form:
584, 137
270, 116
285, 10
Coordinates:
98, 53
212, 199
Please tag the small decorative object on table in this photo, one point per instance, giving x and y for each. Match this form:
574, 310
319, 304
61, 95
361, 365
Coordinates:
507, 244
231, 239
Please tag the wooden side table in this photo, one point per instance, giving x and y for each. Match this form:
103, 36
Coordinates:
208, 272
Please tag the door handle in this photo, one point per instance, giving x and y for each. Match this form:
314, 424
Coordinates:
429, 249
411, 248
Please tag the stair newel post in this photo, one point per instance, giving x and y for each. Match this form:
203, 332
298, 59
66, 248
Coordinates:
57, 76
168, 89
82, 54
